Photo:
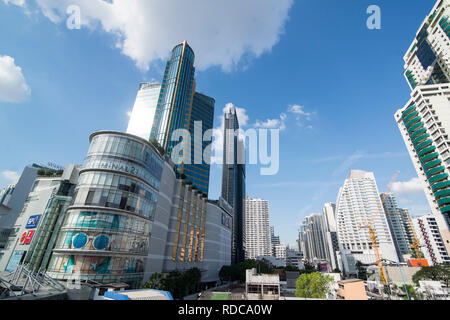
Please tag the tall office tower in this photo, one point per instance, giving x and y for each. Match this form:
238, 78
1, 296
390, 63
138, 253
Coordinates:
400, 224
359, 200
257, 228
329, 212
427, 59
143, 114
431, 241
198, 120
424, 121
314, 230
177, 93
233, 181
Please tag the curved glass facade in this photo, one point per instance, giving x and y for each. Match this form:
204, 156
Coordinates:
105, 235
176, 95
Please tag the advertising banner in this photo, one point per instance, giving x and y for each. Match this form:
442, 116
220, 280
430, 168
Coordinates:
33, 222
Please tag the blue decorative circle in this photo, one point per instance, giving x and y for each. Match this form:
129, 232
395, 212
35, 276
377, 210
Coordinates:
101, 242
79, 240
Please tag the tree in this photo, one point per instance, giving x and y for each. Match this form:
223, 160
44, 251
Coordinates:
313, 286
413, 294
155, 282
226, 273
436, 273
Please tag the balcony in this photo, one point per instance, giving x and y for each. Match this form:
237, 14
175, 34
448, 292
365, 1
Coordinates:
438, 178
432, 164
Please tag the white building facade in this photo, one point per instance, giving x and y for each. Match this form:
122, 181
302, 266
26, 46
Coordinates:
424, 121
432, 245
257, 228
359, 201
329, 212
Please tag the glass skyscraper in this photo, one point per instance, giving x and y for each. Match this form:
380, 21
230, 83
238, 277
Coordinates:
177, 93
198, 120
233, 181
143, 114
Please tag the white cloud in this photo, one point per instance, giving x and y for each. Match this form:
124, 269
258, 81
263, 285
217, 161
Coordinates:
273, 123
13, 86
12, 176
297, 109
20, 3
413, 186
220, 32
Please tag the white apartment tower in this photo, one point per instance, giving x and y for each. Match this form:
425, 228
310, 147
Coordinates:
400, 224
257, 228
359, 198
314, 231
424, 121
427, 59
432, 245
329, 212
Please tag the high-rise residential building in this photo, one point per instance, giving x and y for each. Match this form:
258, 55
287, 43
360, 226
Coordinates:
359, 203
427, 59
400, 224
39, 222
314, 231
432, 244
143, 114
177, 94
424, 121
199, 119
257, 228
233, 181
329, 212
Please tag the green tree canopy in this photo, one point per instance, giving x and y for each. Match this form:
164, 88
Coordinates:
436, 273
313, 286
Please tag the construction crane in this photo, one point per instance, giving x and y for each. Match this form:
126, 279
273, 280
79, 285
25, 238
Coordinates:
373, 237
415, 246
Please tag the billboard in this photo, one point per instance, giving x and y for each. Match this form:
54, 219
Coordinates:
226, 220
33, 222
16, 259
29, 237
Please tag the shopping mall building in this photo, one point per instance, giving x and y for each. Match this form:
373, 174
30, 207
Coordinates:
132, 215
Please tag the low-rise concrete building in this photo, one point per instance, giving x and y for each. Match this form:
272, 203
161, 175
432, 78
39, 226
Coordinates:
352, 289
262, 287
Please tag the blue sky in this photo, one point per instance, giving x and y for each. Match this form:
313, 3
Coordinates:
347, 78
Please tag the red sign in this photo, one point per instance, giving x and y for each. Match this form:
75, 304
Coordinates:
29, 236
23, 237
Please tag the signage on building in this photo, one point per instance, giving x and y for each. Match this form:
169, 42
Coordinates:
23, 237
16, 259
33, 222
226, 220
29, 237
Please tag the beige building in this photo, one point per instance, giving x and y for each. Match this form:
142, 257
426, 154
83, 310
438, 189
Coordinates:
352, 289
